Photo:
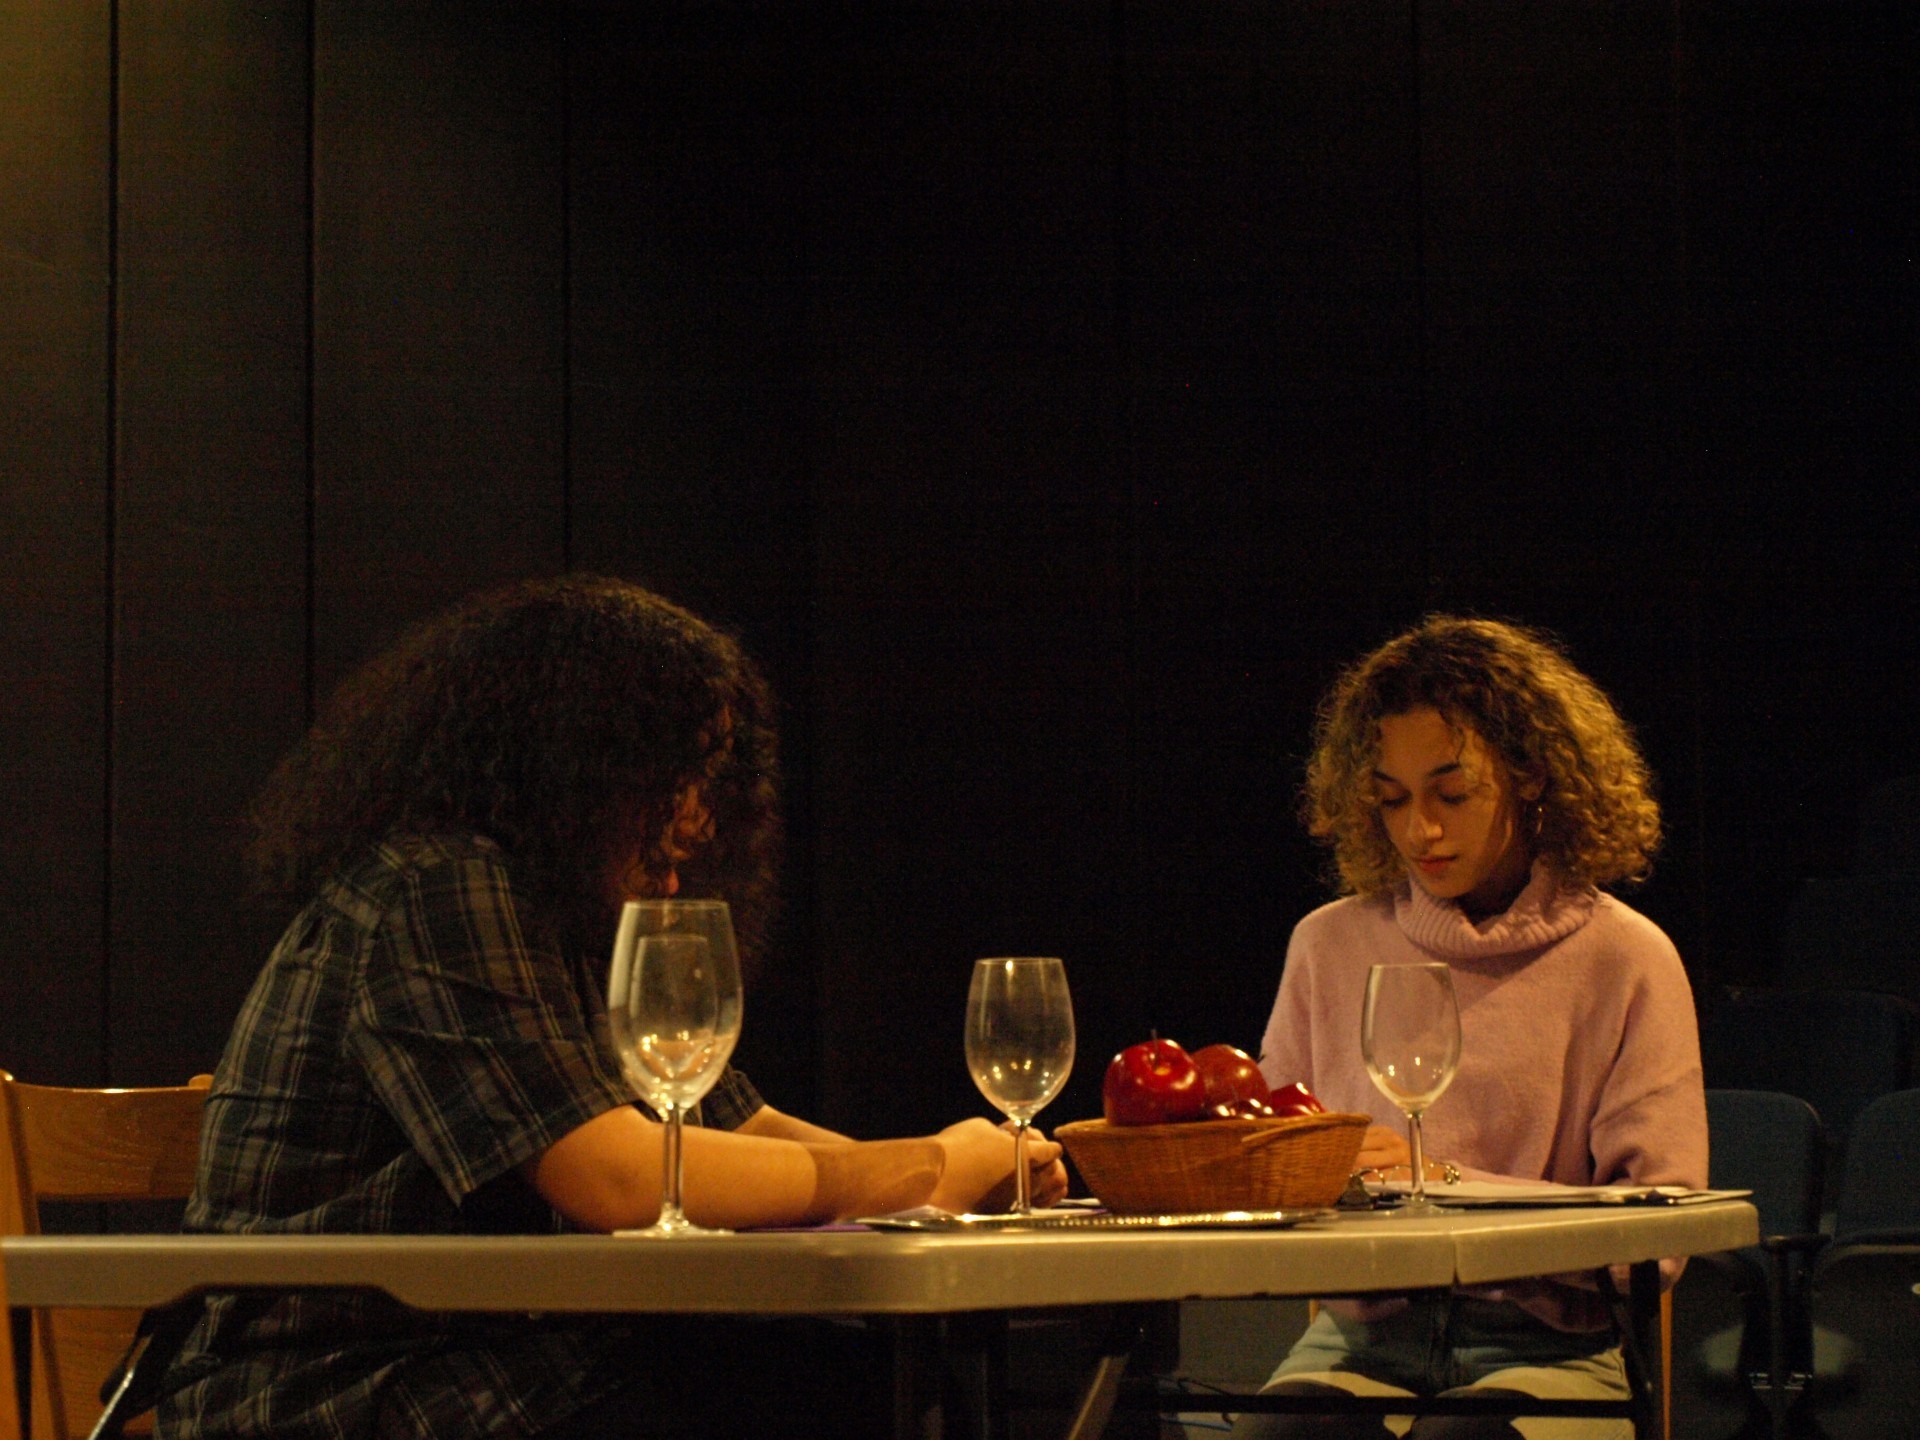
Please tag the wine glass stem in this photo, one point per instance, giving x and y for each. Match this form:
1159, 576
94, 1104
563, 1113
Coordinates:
1022, 1181
1419, 1158
671, 1214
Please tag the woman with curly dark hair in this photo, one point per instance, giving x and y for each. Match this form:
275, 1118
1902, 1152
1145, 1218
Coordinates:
426, 1049
564, 720
1476, 789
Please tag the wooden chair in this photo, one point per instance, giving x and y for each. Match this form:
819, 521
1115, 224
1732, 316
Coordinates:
87, 1146
9, 1392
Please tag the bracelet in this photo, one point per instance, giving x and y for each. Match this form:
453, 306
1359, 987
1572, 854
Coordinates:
1449, 1172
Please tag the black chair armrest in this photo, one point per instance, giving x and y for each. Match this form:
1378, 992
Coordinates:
1797, 1244
1889, 1235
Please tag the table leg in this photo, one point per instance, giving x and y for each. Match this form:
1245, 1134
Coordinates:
1101, 1393
1643, 1343
1644, 1310
10, 1426
1778, 1362
975, 1401
916, 1376
950, 1376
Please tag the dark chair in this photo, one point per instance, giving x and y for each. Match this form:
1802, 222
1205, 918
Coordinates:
1835, 1049
1864, 1291
1740, 1337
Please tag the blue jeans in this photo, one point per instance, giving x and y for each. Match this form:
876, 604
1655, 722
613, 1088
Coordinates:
1440, 1344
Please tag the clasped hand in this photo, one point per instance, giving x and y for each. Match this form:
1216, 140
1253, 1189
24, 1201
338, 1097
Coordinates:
978, 1177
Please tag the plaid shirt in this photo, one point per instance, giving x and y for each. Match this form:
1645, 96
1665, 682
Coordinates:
405, 1048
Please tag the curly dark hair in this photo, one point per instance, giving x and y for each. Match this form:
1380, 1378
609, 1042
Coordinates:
1559, 736
562, 719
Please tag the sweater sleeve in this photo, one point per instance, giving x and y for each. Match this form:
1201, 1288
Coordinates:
1286, 1049
1650, 1125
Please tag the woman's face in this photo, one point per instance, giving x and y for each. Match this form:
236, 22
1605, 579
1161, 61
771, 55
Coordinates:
1449, 807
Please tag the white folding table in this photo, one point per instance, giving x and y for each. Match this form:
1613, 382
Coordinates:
865, 1272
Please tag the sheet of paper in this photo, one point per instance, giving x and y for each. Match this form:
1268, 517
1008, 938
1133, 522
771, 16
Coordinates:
1492, 1195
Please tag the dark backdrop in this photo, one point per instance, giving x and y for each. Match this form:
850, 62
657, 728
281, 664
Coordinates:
1052, 396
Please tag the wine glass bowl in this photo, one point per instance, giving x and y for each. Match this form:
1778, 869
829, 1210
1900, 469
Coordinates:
1410, 1039
674, 1010
1020, 1044
677, 1058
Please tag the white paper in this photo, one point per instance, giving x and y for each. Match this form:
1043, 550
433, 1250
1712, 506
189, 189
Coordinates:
1491, 1194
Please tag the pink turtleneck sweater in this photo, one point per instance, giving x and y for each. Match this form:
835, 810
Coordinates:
1580, 1055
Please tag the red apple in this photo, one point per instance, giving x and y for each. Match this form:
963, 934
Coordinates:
1152, 1083
1296, 1099
1235, 1087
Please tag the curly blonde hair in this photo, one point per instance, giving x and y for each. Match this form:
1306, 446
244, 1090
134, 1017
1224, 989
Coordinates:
1595, 818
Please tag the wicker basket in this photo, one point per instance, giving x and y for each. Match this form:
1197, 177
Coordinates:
1300, 1162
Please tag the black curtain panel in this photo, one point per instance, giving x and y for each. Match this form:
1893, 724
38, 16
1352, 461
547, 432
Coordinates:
1053, 398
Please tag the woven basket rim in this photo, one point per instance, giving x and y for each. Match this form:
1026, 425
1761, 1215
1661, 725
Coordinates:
1277, 1162
1214, 1127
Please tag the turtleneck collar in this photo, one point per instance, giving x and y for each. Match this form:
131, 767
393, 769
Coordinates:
1546, 910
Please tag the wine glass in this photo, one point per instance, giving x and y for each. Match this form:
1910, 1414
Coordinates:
1020, 1045
673, 1005
1410, 1036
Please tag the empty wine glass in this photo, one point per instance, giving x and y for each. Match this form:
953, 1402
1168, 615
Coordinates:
1020, 1045
673, 1004
1410, 1036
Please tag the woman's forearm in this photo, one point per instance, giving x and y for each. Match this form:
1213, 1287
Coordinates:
873, 1177
606, 1175
778, 1125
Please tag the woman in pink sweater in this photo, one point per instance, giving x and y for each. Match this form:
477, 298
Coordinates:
1475, 789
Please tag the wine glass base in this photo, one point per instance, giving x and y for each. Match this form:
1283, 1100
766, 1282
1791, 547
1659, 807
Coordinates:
1420, 1209
659, 1231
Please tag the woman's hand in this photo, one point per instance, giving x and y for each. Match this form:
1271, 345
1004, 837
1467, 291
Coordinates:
979, 1169
1047, 1177
1383, 1148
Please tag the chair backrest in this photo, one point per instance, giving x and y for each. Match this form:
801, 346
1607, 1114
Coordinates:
59, 1144
1880, 1187
1835, 1049
1772, 1144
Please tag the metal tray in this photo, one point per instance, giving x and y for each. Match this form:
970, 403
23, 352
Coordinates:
1082, 1219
